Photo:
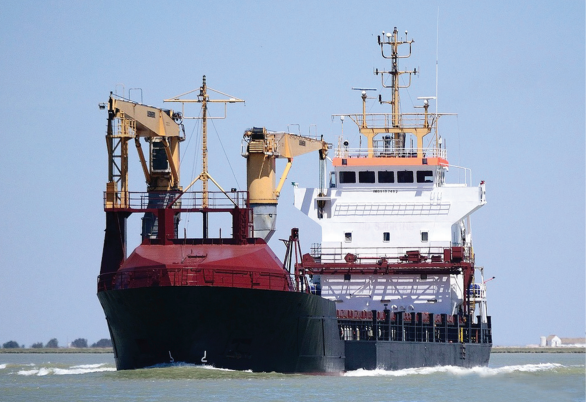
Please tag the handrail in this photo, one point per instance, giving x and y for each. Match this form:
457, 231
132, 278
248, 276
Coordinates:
337, 254
382, 150
142, 200
192, 276
383, 120
412, 327
467, 174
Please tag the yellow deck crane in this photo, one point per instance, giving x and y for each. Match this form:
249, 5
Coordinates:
127, 121
261, 148
160, 128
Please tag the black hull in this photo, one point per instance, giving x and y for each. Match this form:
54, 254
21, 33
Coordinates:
370, 355
258, 330
241, 329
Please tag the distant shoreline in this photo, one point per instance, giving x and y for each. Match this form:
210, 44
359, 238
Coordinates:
495, 349
532, 349
56, 350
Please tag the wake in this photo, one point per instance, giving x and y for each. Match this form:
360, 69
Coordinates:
73, 370
458, 371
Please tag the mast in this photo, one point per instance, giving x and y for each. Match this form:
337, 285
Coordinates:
372, 124
204, 176
394, 42
203, 95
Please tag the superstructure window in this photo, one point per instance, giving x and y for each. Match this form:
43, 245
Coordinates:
406, 176
348, 237
424, 236
386, 237
366, 177
386, 176
424, 176
348, 177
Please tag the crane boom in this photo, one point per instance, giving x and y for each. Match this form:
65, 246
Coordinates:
129, 120
261, 150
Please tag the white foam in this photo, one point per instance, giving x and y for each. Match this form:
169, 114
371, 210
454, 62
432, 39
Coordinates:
82, 370
88, 366
3, 366
43, 371
482, 371
199, 366
527, 368
27, 372
208, 367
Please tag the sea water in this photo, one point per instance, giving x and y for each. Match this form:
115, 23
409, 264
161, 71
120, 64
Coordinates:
93, 377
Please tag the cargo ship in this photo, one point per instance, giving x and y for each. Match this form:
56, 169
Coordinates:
392, 284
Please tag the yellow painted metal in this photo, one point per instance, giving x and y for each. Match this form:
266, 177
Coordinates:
204, 99
261, 156
395, 125
418, 132
111, 195
221, 189
125, 131
292, 145
204, 146
137, 121
145, 168
283, 177
124, 196
260, 178
174, 171
150, 121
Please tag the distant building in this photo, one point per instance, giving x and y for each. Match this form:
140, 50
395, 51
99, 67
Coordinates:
556, 341
553, 341
573, 342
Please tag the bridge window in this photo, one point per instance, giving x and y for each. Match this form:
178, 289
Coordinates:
348, 177
386, 237
366, 177
386, 177
405, 176
425, 176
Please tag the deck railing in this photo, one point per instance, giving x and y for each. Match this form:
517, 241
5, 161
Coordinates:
385, 120
436, 253
415, 327
384, 149
189, 200
155, 277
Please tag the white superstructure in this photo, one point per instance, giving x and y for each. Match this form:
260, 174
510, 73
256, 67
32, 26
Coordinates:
390, 207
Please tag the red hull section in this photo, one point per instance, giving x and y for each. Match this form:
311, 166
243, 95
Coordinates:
251, 266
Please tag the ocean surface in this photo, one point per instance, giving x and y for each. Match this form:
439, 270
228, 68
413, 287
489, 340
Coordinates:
93, 377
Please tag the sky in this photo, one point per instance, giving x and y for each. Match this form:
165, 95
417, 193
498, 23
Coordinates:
512, 71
